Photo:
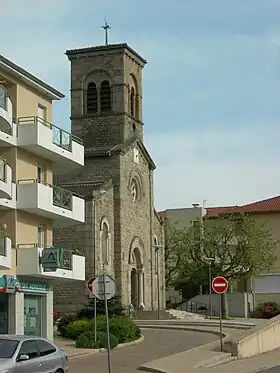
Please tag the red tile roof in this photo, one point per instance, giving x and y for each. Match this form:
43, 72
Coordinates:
265, 206
215, 211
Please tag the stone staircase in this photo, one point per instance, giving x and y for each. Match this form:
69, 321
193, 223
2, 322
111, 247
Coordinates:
153, 315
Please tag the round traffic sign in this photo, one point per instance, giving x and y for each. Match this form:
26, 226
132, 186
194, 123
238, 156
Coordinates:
219, 285
89, 283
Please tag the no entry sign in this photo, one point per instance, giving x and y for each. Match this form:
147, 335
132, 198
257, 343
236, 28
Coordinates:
89, 283
219, 285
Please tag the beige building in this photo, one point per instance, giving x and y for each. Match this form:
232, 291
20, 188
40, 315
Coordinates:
31, 149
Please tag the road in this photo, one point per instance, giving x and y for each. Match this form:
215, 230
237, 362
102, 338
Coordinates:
157, 344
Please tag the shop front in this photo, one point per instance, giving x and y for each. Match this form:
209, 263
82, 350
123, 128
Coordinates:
26, 307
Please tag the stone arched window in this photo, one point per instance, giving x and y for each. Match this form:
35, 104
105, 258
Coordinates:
3, 97
135, 186
105, 96
92, 98
105, 241
132, 101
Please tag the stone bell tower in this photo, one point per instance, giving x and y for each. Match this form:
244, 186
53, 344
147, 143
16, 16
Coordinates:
106, 94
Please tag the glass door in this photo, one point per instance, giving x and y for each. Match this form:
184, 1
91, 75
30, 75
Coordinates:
32, 315
4, 313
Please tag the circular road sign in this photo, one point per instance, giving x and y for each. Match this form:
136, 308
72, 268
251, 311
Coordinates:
89, 283
219, 285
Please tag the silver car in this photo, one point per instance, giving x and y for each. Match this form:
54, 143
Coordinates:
23, 354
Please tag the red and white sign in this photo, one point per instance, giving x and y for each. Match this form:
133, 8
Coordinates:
219, 285
89, 283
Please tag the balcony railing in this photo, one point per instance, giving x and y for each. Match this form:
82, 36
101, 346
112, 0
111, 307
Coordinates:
60, 137
62, 197
3, 248
67, 260
3, 164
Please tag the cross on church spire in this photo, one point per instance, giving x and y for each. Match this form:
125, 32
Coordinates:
106, 27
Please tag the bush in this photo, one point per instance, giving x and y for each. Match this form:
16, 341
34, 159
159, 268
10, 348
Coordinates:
115, 308
77, 327
122, 327
86, 340
102, 340
267, 310
63, 322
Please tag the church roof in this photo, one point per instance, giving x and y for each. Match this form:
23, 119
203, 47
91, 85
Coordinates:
118, 149
109, 47
86, 189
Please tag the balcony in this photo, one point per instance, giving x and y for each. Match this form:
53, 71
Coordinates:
11, 202
5, 251
5, 179
51, 263
50, 142
7, 126
60, 205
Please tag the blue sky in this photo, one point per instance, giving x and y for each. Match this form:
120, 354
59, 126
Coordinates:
211, 85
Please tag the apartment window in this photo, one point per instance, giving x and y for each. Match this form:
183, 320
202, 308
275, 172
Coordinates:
41, 174
41, 236
42, 113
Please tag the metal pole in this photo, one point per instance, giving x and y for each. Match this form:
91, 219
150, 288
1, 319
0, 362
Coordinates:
95, 324
158, 287
210, 290
107, 325
221, 325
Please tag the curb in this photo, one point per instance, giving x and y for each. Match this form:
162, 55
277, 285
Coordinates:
183, 328
242, 326
96, 351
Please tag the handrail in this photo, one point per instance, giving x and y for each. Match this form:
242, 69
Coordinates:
3, 169
3, 248
36, 181
59, 134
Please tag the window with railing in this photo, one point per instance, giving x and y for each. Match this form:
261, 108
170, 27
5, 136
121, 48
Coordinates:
2, 169
3, 250
62, 197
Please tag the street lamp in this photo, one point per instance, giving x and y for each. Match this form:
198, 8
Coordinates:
158, 247
209, 261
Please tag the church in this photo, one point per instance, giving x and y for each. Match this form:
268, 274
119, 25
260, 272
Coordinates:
123, 235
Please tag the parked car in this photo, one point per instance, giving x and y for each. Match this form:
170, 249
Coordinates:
24, 354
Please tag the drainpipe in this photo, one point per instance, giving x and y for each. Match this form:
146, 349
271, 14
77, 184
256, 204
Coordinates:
151, 237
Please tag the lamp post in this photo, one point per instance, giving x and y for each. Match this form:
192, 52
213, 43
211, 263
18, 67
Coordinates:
209, 261
158, 247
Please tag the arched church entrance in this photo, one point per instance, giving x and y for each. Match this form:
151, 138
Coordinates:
136, 277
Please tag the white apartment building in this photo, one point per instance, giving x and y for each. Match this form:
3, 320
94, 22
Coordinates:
31, 149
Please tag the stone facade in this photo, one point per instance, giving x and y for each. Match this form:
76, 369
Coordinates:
122, 232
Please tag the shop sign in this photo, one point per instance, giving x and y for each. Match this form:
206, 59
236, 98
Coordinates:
51, 258
31, 287
11, 283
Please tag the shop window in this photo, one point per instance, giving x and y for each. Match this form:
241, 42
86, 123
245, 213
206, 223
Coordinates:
32, 315
3, 313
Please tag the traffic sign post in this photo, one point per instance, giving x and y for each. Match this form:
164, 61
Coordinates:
220, 286
104, 288
89, 286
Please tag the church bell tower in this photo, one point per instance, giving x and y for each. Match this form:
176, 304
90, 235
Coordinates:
106, 94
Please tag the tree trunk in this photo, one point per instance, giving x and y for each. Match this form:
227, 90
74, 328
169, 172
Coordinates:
225, 305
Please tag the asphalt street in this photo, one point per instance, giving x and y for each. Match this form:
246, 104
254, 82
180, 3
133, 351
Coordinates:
272, 370
157, 344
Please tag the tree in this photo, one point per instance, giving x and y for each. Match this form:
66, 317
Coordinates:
240, 246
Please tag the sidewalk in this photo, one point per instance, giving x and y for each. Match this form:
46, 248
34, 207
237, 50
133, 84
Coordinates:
69, 347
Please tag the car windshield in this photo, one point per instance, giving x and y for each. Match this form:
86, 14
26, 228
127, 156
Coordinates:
7, 348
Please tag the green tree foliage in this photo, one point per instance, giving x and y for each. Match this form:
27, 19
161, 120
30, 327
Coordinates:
241, 247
